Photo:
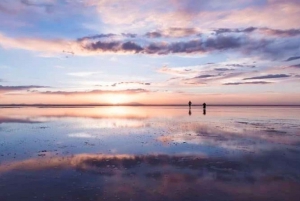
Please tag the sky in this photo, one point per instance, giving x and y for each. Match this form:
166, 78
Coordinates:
149, 52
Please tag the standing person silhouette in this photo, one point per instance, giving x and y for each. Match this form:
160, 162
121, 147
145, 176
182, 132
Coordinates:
190, 104
204, 108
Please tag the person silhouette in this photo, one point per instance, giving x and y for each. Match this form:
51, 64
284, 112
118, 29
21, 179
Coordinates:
204, 108
190, 104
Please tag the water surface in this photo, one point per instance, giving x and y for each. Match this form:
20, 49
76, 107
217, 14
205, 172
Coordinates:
150, 153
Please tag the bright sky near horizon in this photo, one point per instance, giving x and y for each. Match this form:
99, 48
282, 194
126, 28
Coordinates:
149, 51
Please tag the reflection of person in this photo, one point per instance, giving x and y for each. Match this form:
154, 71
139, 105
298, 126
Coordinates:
204, 111
190, 104
190, 112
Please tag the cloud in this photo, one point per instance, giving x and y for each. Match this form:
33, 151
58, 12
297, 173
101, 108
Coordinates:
174, 32
113, 47
243, 44
204, 76
186, 47
179, 71
198, 80
201, 13
276, 14
131, 83
223, 69
295, 66
4, 89
151, 177
281, 33
98, 36
214, 69
126, 91
135, 44
107, 36
293, 58
227, 30
241, 65
57, 46
265, 31
243, 83
271, 76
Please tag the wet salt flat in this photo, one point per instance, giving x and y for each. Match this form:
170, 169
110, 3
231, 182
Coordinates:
150, 153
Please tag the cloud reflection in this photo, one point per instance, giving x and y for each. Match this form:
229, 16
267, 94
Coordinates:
155, 177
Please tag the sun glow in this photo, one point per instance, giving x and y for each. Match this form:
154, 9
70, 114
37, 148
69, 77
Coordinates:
116, 99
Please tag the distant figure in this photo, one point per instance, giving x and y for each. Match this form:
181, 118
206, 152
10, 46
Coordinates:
190, 112
204, 106
190, 104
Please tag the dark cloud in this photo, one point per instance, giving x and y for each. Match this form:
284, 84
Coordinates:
271, 76
241, 65
114, 46
192, 46
264, 47
266, 31
223, 69
296, 66
19, 88
241, 83
98, 36
221, 43
126, 91
281, 33
169, 33
293, 58
204, 76
226, 30
108, 35
174, 32
153, 34
105, 46
130, 46
129, 35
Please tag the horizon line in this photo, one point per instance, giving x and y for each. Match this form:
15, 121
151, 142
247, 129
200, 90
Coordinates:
142, 105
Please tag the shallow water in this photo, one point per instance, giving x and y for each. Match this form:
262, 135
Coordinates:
150, 153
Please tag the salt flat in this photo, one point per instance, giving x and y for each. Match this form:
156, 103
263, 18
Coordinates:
150, 153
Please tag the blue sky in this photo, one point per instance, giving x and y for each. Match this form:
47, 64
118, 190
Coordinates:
152, 52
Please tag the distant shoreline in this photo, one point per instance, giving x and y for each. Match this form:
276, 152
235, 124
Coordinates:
128, 105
